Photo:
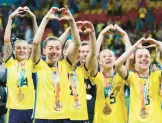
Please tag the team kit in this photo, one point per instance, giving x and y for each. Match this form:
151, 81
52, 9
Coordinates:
73, 81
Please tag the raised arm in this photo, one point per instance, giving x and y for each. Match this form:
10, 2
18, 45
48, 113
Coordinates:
105, 31
73, 52
119, 64
124, 35
91, 58
36, 51
64, 36
33, 17
130, 61
158, 49
7, 34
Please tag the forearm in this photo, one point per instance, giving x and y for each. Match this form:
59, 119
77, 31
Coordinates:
120, 61
7, 42
35, 25
40, 31
36, 51
129, 64
7, 34
92, 44
64, 36
91, 58
99, 42
75, 33
127, 42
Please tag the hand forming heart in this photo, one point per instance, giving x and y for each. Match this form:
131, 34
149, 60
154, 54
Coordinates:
21, 12
152, 43
110, 29
65, 14
85, 26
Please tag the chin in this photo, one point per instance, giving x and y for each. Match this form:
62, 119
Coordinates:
144, 67
22, 58
108, 66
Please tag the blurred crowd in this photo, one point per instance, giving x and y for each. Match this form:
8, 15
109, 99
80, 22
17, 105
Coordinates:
138, 21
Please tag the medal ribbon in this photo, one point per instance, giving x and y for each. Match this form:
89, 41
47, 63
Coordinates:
107, 89
143, 91
73, 82
56, 83
21, 76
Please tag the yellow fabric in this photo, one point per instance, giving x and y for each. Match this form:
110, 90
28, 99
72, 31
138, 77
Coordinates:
154, 107
45, 91
12, 84
119, 113
79, 114
142, 12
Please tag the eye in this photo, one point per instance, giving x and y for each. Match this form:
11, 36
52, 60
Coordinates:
50, 48
24, 48
18, 48
146, 56
57, 48
140, 56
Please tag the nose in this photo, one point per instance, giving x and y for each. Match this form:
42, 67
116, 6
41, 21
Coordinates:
21, 49
55, 51
85, 54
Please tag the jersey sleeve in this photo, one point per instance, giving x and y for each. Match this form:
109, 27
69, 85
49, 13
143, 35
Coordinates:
9, 62
94, 79
118, 80
129, 78
39, 65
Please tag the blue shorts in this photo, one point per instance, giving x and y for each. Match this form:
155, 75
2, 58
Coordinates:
52, 121
79, 121
20, 116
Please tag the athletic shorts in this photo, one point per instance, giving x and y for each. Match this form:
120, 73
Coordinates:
20, 116
79, 121
52, 121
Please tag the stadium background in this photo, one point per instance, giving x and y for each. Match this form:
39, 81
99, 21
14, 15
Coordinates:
139, 18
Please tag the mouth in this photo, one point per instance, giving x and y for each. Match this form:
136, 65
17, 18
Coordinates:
54, 56
108, 62
144, 63
21, 54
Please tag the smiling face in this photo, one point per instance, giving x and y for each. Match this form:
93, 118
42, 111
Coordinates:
52, 51
106, 59
20, 50
142, 59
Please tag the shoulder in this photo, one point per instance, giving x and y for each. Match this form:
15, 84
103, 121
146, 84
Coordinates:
41, 64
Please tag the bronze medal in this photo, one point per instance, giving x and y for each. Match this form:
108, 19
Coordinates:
20, 96
107, 110
143, 113
77, 104
58, 106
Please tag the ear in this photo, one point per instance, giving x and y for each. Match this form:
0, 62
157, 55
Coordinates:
65, 53
14, 52
78, 57
44, 51
99, 62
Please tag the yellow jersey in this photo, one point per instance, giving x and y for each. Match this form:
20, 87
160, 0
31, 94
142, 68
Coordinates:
81, 113
46, 93
152, 104
116, 100
14, 86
